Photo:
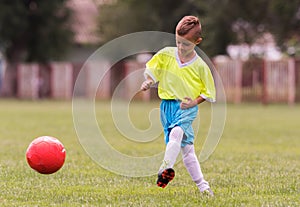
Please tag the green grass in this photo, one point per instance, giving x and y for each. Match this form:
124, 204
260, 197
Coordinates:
255, 164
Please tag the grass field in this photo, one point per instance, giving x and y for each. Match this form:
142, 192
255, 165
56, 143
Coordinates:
257, 162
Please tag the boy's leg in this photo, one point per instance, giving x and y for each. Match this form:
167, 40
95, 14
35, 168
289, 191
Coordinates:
166, 173
191, 163
173, 148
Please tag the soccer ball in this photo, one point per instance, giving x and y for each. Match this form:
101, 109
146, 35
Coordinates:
46, 154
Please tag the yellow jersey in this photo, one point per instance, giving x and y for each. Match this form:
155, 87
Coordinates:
178, 80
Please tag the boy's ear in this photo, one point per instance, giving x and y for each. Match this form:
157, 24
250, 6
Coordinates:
198, 41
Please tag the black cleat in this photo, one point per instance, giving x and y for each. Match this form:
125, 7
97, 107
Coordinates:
164, 177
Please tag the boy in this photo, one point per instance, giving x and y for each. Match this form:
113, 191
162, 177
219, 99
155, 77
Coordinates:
184, 82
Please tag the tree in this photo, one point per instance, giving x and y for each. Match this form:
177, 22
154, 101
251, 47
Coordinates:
284, 21
224, 21
127, 16
32, 30
239, 21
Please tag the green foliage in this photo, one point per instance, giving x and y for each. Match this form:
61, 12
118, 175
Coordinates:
33, 30
256, 162
129, 16
224, 21
284, 19
240, 21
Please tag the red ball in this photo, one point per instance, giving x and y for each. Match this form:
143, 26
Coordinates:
46, 154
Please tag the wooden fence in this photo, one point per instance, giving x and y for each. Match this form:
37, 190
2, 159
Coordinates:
244, 81
260, 80
28, 80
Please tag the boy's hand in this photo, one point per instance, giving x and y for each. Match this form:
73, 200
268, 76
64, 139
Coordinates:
146, 85
187, 102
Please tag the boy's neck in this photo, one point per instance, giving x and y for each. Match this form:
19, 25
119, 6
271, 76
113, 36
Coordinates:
186, 58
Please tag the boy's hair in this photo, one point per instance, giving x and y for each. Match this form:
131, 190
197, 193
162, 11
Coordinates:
188, 23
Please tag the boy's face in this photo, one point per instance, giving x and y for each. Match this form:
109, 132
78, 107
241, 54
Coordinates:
186, 44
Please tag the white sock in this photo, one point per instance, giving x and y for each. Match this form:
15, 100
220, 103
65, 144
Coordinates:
173, 148
192, 165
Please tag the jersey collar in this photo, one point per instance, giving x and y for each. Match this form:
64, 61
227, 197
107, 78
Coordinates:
181, 65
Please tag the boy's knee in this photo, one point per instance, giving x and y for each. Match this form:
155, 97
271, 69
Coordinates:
176, 134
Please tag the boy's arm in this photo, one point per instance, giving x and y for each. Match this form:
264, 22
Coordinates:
200, 99
147, 83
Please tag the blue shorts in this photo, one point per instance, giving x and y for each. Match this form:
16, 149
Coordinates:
172, 115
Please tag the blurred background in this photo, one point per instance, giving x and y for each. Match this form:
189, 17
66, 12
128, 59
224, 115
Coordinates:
254, 45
